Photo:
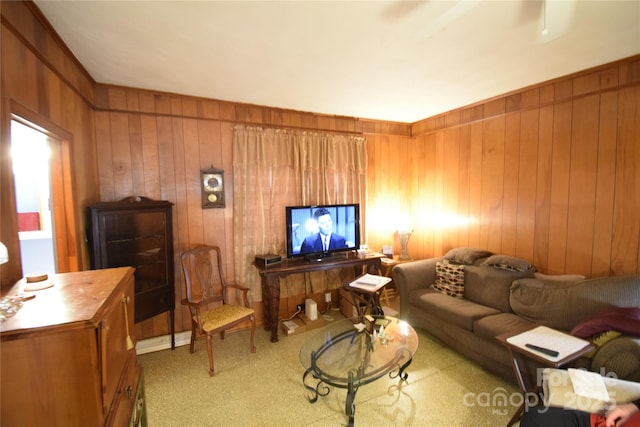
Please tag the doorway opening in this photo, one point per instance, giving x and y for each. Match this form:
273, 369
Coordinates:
44, 195
30, 154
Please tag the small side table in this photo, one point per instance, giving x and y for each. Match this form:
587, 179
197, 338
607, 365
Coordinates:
364, 298
526, 363
386, 269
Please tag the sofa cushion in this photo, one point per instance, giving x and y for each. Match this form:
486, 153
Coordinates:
506, 262
563, 307
559, 279
466, 256
449, 279
491, 326
457, 311
490, 286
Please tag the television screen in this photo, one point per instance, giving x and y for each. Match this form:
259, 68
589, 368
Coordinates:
318, 231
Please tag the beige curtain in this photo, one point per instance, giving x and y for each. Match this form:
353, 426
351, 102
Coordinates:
275, 168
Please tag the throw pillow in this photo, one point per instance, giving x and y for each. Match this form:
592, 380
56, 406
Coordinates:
505, 262
465, 256
621, 319
449, 279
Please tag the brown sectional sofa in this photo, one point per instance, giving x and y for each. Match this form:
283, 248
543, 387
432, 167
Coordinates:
503, 298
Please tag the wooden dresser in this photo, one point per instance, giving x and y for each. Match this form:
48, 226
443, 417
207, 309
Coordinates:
67, 358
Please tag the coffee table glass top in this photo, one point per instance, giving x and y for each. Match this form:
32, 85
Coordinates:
340, 354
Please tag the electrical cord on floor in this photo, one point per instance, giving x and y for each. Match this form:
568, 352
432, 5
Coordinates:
292, 317
289, 318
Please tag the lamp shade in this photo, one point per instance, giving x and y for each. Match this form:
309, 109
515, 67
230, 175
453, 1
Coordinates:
4, 253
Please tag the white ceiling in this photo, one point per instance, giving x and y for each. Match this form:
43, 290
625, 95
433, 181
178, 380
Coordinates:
390, 60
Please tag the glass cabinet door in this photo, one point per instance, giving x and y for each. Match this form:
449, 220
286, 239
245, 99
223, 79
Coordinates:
137, 232
139, 240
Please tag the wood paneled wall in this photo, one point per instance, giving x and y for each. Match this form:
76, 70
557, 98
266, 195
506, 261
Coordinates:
549, 173
155, 144
42, 82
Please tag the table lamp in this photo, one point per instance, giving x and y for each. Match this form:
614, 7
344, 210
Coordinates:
404, 234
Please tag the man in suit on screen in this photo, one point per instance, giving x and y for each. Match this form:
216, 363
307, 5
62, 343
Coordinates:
325, 240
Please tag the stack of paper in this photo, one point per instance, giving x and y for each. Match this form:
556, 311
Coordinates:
588, 384
370, 282
550, 339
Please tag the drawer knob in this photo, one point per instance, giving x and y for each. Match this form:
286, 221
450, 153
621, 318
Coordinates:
129, 391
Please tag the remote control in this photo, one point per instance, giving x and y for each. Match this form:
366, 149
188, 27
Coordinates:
542, 350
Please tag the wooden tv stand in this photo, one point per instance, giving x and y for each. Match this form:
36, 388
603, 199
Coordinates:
270, 277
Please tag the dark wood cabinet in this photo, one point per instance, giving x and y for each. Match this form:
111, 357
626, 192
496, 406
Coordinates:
137, 232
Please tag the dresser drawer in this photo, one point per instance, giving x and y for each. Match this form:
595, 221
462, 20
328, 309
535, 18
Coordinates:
129, 406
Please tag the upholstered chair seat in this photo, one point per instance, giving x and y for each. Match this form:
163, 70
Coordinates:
223, 315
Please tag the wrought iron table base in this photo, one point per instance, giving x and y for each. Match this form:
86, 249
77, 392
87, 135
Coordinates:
322, 387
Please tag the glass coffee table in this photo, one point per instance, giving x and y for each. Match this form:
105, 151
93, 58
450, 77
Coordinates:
344, 356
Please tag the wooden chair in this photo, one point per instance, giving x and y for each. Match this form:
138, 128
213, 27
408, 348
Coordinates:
210, 298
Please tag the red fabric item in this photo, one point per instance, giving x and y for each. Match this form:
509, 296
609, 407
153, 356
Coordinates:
621, 319
634, 421
597, 420
28, 221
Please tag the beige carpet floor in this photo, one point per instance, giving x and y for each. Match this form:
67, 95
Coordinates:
265, 388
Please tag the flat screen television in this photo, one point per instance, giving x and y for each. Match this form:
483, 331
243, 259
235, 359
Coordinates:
307, 228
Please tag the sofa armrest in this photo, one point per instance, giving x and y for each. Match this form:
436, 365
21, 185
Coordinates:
414, 275
620, 356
